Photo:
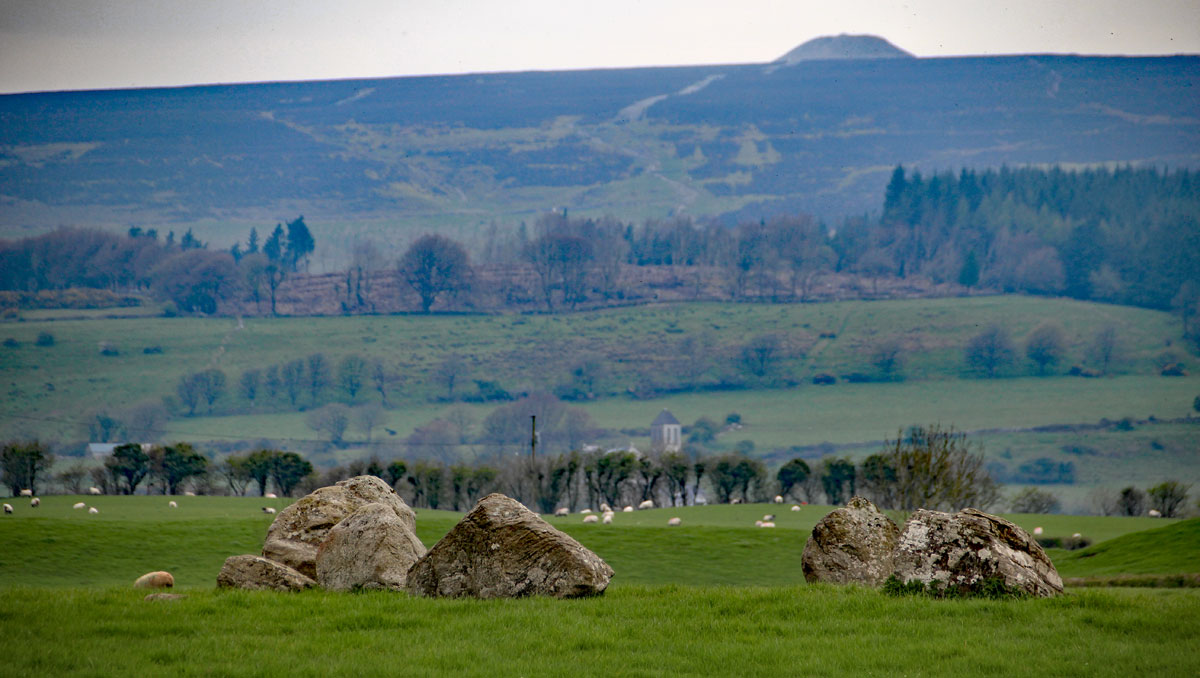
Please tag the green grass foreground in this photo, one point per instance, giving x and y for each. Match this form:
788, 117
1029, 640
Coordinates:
635, 631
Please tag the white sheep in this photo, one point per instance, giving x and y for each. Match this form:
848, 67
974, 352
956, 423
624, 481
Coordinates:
758, 523
270, 495
8, 508
564, 511
1076, 535
769, 517
648, 504
585, 511
767, 523
26, 493
1154, 513
268, 509
79, 505
627, 509
591, 519
189, 493
779, 499
607, 519
93, 510
94, 490
172, 504
795, 507
1037, 531
735, 501
35, 502
674, 521
605, 508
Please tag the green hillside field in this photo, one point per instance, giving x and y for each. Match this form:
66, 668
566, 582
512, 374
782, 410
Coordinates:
714, 597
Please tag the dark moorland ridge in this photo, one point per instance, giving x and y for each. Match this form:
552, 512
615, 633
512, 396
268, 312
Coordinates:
806, 133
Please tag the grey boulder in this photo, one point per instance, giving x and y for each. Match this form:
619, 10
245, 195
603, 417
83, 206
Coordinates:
851, 545
299, 529
254, 572
502, 550
369, 549
966, 549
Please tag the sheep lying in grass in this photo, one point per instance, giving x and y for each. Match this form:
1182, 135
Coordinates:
35, 502
94, 490
172, 504
795, 507
605, 508
270, 495
674, 521
1154, 513
189, 493
268, 509
93, 510
767, 523
627, 509
778, 499
769, 517
591, 518
8, 508
26, 493
607, 519
1037, 531
585, 511
564, 511
79, 505
648, 504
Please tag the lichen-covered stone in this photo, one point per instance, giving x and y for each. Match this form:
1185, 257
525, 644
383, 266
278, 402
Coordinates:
299, 529
503, 550
370, 549
851, 545
965, 549
254, 572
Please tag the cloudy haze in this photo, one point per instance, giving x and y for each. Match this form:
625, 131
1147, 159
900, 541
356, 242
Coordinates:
55, 44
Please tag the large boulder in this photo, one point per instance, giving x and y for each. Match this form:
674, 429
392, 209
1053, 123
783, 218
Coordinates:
502, 550
371, 549
253, 572
965, 550
300, 528
851, 545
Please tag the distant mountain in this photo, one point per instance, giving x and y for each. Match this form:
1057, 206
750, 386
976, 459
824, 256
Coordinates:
844, 47
457, 154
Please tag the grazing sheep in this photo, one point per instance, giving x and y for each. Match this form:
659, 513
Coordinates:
172, 504
607, 519
586, 511
93, 510
94, 490
268, 509
1154, 513
35, 502
591, 519
564, 511
270, 495
648, 504
674, 521
758, 523
26, 493
735, 501
767, 524
1037, 531
627, 509
795, 507
605, 508
779, 499
769, 517
79, 505
8, 508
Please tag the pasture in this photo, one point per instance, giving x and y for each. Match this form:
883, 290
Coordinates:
714, 597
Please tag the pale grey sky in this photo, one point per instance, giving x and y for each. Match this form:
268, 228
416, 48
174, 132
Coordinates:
85, 44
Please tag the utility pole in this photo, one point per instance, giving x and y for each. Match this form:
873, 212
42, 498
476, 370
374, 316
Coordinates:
533, 437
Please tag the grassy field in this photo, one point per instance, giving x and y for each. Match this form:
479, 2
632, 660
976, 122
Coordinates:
714, 597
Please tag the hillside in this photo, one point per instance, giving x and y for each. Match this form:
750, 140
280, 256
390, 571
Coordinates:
389, 157
844, 47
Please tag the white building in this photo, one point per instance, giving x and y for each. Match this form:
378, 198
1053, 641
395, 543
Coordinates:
666, 433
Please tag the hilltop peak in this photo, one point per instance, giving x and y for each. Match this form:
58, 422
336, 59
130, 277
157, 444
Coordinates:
844, 47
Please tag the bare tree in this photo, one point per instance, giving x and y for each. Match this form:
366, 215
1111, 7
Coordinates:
938, 469
369, 417
990, 350
433, 266
352, 373
384, 379
450, 372
331, 420
1046, 346
1105, 349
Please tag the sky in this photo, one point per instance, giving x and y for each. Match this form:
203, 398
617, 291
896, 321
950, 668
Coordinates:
102, 44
